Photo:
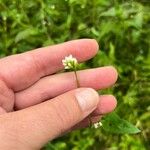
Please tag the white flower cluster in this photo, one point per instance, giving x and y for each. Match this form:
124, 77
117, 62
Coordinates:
70, 62
97, 125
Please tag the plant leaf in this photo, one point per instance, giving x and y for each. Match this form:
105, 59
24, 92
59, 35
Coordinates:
26, 34
114, 124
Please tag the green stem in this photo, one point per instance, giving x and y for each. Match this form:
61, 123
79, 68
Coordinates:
78, 85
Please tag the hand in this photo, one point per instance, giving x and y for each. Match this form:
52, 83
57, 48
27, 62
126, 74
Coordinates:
49, 104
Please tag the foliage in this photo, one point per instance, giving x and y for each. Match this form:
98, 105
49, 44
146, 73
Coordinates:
122, 29
114, 124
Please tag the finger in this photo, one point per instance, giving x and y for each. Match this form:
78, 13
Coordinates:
106, 105
2, 110
37, 125
25, 69
55, 85
6, 97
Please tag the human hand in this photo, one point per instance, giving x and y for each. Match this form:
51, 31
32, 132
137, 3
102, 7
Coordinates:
28, 79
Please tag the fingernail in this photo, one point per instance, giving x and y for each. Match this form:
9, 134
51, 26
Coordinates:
87, 99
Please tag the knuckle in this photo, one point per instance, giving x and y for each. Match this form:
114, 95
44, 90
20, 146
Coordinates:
7, 97
37, 64
64, 116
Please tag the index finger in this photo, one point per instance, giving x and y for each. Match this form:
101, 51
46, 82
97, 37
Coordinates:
22, 70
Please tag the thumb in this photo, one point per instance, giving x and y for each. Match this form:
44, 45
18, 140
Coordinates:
36, 125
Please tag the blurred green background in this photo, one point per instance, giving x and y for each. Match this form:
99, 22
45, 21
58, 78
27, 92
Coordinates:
121, 27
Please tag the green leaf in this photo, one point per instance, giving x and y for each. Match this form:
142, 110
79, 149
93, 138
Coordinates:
114, 124
26, 34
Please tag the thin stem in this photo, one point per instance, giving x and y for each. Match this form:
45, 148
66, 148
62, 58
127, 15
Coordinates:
78, 85
90, 121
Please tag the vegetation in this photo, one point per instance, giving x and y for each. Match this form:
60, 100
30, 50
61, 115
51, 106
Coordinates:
122, 28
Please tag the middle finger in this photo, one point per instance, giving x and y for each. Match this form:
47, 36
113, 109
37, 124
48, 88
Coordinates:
54, 85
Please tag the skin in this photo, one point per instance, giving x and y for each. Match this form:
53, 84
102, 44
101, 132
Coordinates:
37, 105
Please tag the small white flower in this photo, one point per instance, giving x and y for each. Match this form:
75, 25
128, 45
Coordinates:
70, 62
97, 125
